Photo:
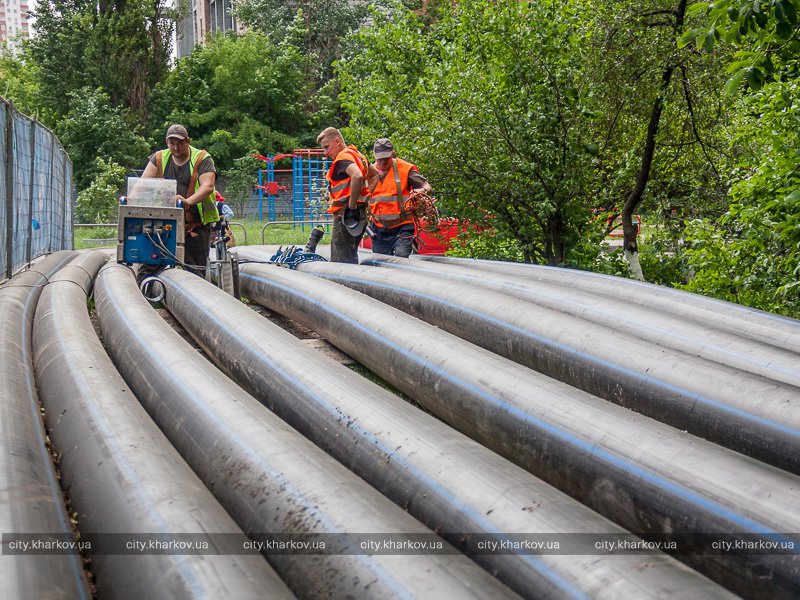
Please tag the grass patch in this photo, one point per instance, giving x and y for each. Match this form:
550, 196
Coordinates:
284, 235
91, 237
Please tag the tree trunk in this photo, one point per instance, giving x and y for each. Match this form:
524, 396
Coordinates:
634, 199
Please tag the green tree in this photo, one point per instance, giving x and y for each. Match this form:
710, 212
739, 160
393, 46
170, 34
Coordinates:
98, 202
752, 254
488, 101
325, 22
93, 128
237, 95
122, 47
764, 30
661, 125
19, 83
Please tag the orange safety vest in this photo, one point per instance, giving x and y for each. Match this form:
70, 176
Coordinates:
340, 188
387, 204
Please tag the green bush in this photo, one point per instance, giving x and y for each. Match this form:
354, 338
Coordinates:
98, 202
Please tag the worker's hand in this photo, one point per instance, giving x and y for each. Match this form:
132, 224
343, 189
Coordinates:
352, 204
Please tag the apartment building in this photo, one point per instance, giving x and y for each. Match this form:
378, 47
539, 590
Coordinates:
205, 17
14, 20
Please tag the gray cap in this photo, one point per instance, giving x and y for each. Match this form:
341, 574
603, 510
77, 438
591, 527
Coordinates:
351, 219
177, 131
383, 148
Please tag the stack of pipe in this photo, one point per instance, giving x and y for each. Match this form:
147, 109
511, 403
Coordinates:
30, 498
271, 480
648, 477
452, 484
134, 496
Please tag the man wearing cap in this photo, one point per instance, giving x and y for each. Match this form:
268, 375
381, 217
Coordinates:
391, 226
195, 174
348, 179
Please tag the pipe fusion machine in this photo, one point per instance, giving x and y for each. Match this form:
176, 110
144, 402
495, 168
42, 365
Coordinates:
150, 233
150, 228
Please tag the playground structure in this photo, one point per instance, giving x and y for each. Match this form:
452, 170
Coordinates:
295, 193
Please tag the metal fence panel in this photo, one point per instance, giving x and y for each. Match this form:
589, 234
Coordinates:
36, 191
46, 230
68, 198
5, 231
21, 127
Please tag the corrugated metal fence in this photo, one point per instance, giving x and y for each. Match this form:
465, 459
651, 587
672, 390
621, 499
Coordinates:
36, 191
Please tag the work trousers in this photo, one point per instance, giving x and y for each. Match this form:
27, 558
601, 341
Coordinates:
195, 250
344, 247
394, 241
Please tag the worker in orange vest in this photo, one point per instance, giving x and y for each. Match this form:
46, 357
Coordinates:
348, 184
391, 226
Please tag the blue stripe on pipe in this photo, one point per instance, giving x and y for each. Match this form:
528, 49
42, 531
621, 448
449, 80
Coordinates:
250, 455
280, 373
588, 308
614, 367
605, 455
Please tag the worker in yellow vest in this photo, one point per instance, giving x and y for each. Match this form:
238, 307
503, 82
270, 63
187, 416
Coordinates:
195, 174
348, 184
391, 226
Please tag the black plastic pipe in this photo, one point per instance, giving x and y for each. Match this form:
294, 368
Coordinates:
30, 498
270, 478
440, 476
775, 330
736, 409
126, 482
662, 329
646, 476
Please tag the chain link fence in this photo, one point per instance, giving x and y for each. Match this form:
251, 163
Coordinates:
36, 191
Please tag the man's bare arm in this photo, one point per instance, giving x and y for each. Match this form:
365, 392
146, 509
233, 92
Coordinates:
206, 187
356, 183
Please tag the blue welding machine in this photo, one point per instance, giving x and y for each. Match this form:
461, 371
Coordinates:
150, 235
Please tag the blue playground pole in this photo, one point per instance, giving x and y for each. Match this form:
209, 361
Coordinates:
260, 194
297, 187
271, 197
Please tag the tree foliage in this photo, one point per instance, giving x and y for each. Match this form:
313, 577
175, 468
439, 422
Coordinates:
20, 84
751, 254
532, 117
765, 30
325, 24
237, 95
98, 202
121, 47
93, 128
88, 71
489, 101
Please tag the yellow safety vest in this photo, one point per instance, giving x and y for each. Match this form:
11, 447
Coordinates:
206, 207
